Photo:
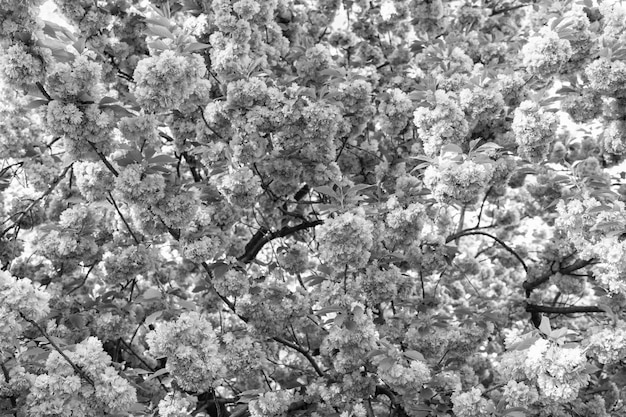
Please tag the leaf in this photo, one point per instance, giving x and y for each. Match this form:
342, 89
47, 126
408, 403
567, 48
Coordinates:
152, 318
35, 104
151, 293
158, 30
325, 189
329, 310
108, 100
158, 373
158, 45
451, 148
196, 46
544, 326
415, 355
187, 305
526, 343
162, 160
386, 363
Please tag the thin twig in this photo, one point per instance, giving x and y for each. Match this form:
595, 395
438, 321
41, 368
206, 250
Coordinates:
207, 124
104, 159
137, 241
51, 187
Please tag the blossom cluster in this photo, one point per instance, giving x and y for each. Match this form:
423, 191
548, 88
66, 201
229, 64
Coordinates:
395, 111
272, 404
557, 372
177, 404
241, 187
346, 240
61, 391
443, 124
125, 263
348, 347
192, 350
471, 404
607, 345
166, 81
546, 53
534, 130
463, 183
93, 180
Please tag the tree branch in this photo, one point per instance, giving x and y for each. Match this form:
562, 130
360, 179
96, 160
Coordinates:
534, 308
264, 236
302, 351
529, 285
497, 239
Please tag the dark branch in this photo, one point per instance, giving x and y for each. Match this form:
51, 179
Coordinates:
497, 239
508, 9
104, 159
534, 308
264, 236
529, 285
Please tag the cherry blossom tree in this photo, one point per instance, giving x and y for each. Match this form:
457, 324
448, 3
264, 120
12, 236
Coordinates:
353, 208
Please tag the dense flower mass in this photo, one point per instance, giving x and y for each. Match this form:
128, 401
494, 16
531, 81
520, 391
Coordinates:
345, 241
166, 81
534, 130
443, 124
192, 351
63, 392
546, 53
275, 208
